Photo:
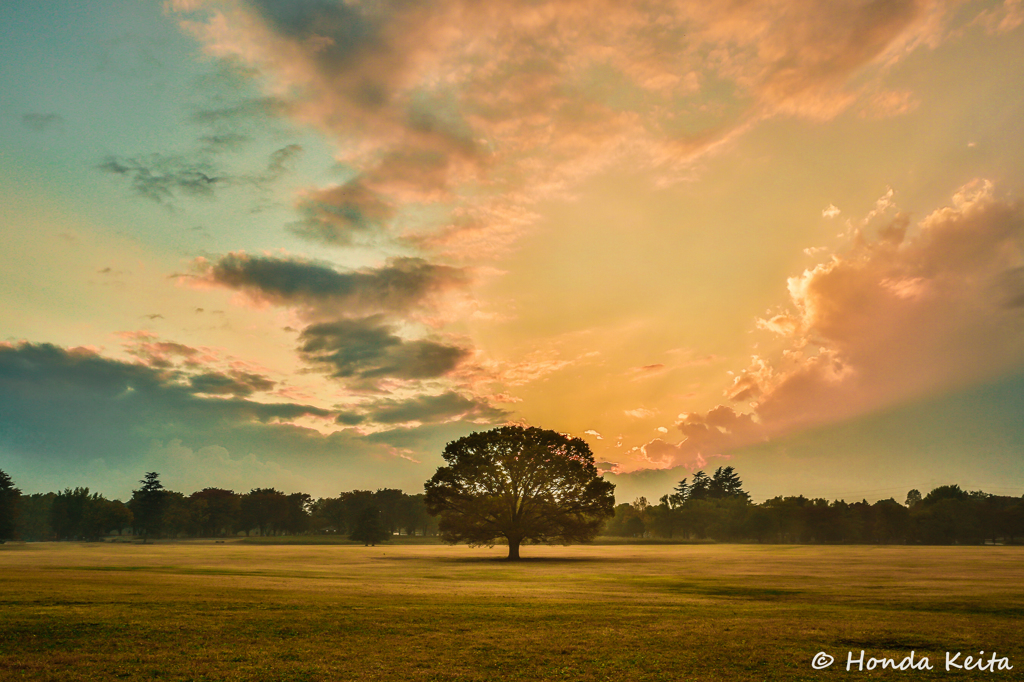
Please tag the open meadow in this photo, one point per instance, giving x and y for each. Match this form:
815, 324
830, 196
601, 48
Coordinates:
232, 611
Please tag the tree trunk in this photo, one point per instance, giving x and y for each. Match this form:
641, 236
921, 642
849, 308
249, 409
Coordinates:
513, 549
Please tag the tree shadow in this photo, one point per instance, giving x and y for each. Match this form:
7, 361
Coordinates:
528, 560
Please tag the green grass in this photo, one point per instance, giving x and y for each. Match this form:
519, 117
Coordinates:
235, 611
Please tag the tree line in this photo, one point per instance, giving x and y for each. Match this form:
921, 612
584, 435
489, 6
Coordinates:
155, 512
717, 508
704, 507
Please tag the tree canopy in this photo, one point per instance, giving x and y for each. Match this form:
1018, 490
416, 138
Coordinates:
9, 495
520, 484
369, 528
147, 505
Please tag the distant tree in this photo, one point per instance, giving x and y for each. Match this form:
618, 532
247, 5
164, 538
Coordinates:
9, 496
215, 511
640, 520
620, 524
520, 484
789, 517
178, 514
116, 516
635, 526
416, 518
328, 515
265, 509
390, 502
68, 514
34, 516
700, 487
823, 521
80, 515
891, 521
913, 497
1013, 521
759, 524
353, 503
369, 528
726, 483
297, 513
679, 493
666, 518
147, 506
945, 492
703, 517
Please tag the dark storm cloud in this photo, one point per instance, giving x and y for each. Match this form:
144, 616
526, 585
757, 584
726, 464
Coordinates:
368, 349
399, 285
41, 122
163, 178
75, 404
424, 409
233, 383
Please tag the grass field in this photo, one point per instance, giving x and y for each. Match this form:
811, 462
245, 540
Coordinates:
234, 611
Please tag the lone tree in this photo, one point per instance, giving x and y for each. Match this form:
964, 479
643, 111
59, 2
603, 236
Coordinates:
521, 484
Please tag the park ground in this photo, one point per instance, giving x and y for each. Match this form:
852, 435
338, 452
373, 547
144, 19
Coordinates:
202, 610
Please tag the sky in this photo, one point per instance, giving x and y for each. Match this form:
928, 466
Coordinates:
305, 243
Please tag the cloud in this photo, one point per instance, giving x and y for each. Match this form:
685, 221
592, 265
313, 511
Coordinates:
445, 407
830, 211
398, 286
640, 413
146, 347
240, 113
368, 349
1002, 18
224, 142
53, 398
280, 160
906, 314
704, 436
355, 313
488, 108
342, 215
178, 466
536, 365
162, 178
912, 311
74, 417
232, 383
41, 122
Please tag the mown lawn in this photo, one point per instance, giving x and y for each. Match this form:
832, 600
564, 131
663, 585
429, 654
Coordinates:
234, 611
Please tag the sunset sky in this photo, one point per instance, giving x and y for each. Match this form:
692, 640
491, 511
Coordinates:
305, 243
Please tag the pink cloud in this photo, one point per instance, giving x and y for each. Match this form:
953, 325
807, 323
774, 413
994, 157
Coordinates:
488, 108
906, 314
